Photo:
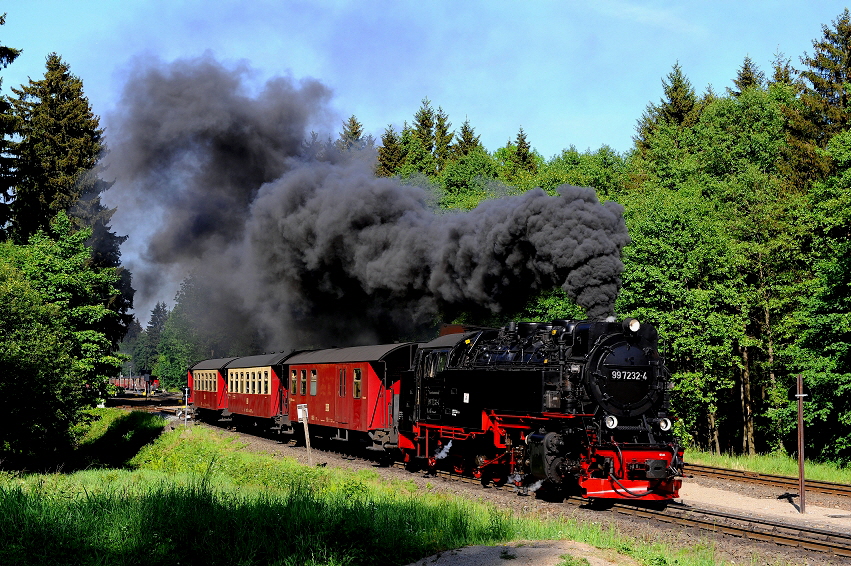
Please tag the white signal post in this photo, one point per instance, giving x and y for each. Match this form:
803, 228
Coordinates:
302, 416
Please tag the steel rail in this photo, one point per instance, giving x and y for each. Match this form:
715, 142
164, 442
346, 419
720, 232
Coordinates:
766, 479
754, 528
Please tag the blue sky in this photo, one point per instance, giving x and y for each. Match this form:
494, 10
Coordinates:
569, 73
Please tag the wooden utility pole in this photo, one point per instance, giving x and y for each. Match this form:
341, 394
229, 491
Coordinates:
800, 395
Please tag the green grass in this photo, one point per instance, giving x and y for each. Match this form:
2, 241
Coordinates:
198, 496
778, 464
110, 438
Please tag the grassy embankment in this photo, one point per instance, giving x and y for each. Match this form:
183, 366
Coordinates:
196, 496
778, 464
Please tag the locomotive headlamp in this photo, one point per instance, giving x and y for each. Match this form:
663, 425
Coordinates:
665, 424
631, 324
611, 421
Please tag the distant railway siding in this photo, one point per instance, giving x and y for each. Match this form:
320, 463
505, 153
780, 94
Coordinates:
771, 480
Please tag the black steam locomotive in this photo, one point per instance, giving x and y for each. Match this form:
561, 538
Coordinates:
581, 406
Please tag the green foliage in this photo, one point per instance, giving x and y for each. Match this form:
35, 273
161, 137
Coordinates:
682, 274
36, 386
822, 349
418, 156
53, 377
389, 153
604, 170
58, 268
464, 179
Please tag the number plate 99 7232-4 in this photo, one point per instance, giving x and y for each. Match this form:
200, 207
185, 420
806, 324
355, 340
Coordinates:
621, 375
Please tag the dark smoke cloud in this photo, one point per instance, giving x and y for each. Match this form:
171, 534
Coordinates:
321, 251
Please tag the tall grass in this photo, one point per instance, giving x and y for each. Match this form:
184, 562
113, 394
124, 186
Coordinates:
196, 496
775, 463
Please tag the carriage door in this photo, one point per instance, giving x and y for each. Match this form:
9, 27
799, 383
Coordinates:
283, 390
342, 406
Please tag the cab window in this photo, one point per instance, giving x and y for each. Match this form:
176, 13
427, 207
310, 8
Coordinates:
293, 382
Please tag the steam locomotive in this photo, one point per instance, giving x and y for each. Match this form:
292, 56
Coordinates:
578, 406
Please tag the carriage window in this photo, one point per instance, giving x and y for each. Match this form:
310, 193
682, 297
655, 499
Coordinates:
242, 382
313, 382
303, 390
215, 381
356, 385
293, 382
342, 383
265, 382
253, 382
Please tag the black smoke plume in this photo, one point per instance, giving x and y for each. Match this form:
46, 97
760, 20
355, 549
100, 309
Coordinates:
320, 251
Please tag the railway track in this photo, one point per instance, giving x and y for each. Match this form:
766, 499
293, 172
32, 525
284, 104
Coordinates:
749, 527
766, 479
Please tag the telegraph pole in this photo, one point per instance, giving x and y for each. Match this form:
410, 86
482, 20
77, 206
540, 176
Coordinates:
800, 396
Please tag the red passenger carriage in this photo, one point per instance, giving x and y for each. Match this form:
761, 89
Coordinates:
208, 388
256, 390
351, 390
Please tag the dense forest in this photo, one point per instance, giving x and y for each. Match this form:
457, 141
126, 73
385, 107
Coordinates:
736, 202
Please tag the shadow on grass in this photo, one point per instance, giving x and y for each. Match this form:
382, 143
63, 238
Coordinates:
121, 441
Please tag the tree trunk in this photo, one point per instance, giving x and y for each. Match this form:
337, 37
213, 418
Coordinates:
747, 406
714, 442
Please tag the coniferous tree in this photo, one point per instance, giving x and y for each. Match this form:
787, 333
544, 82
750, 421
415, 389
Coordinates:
424, 125
7, 128
680, 107
827, 73
389, 154
351, 136
60, 142
442, 138
147, 347
523, 158
822, 108
748, 76
55, 167
783, 72
467, 140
